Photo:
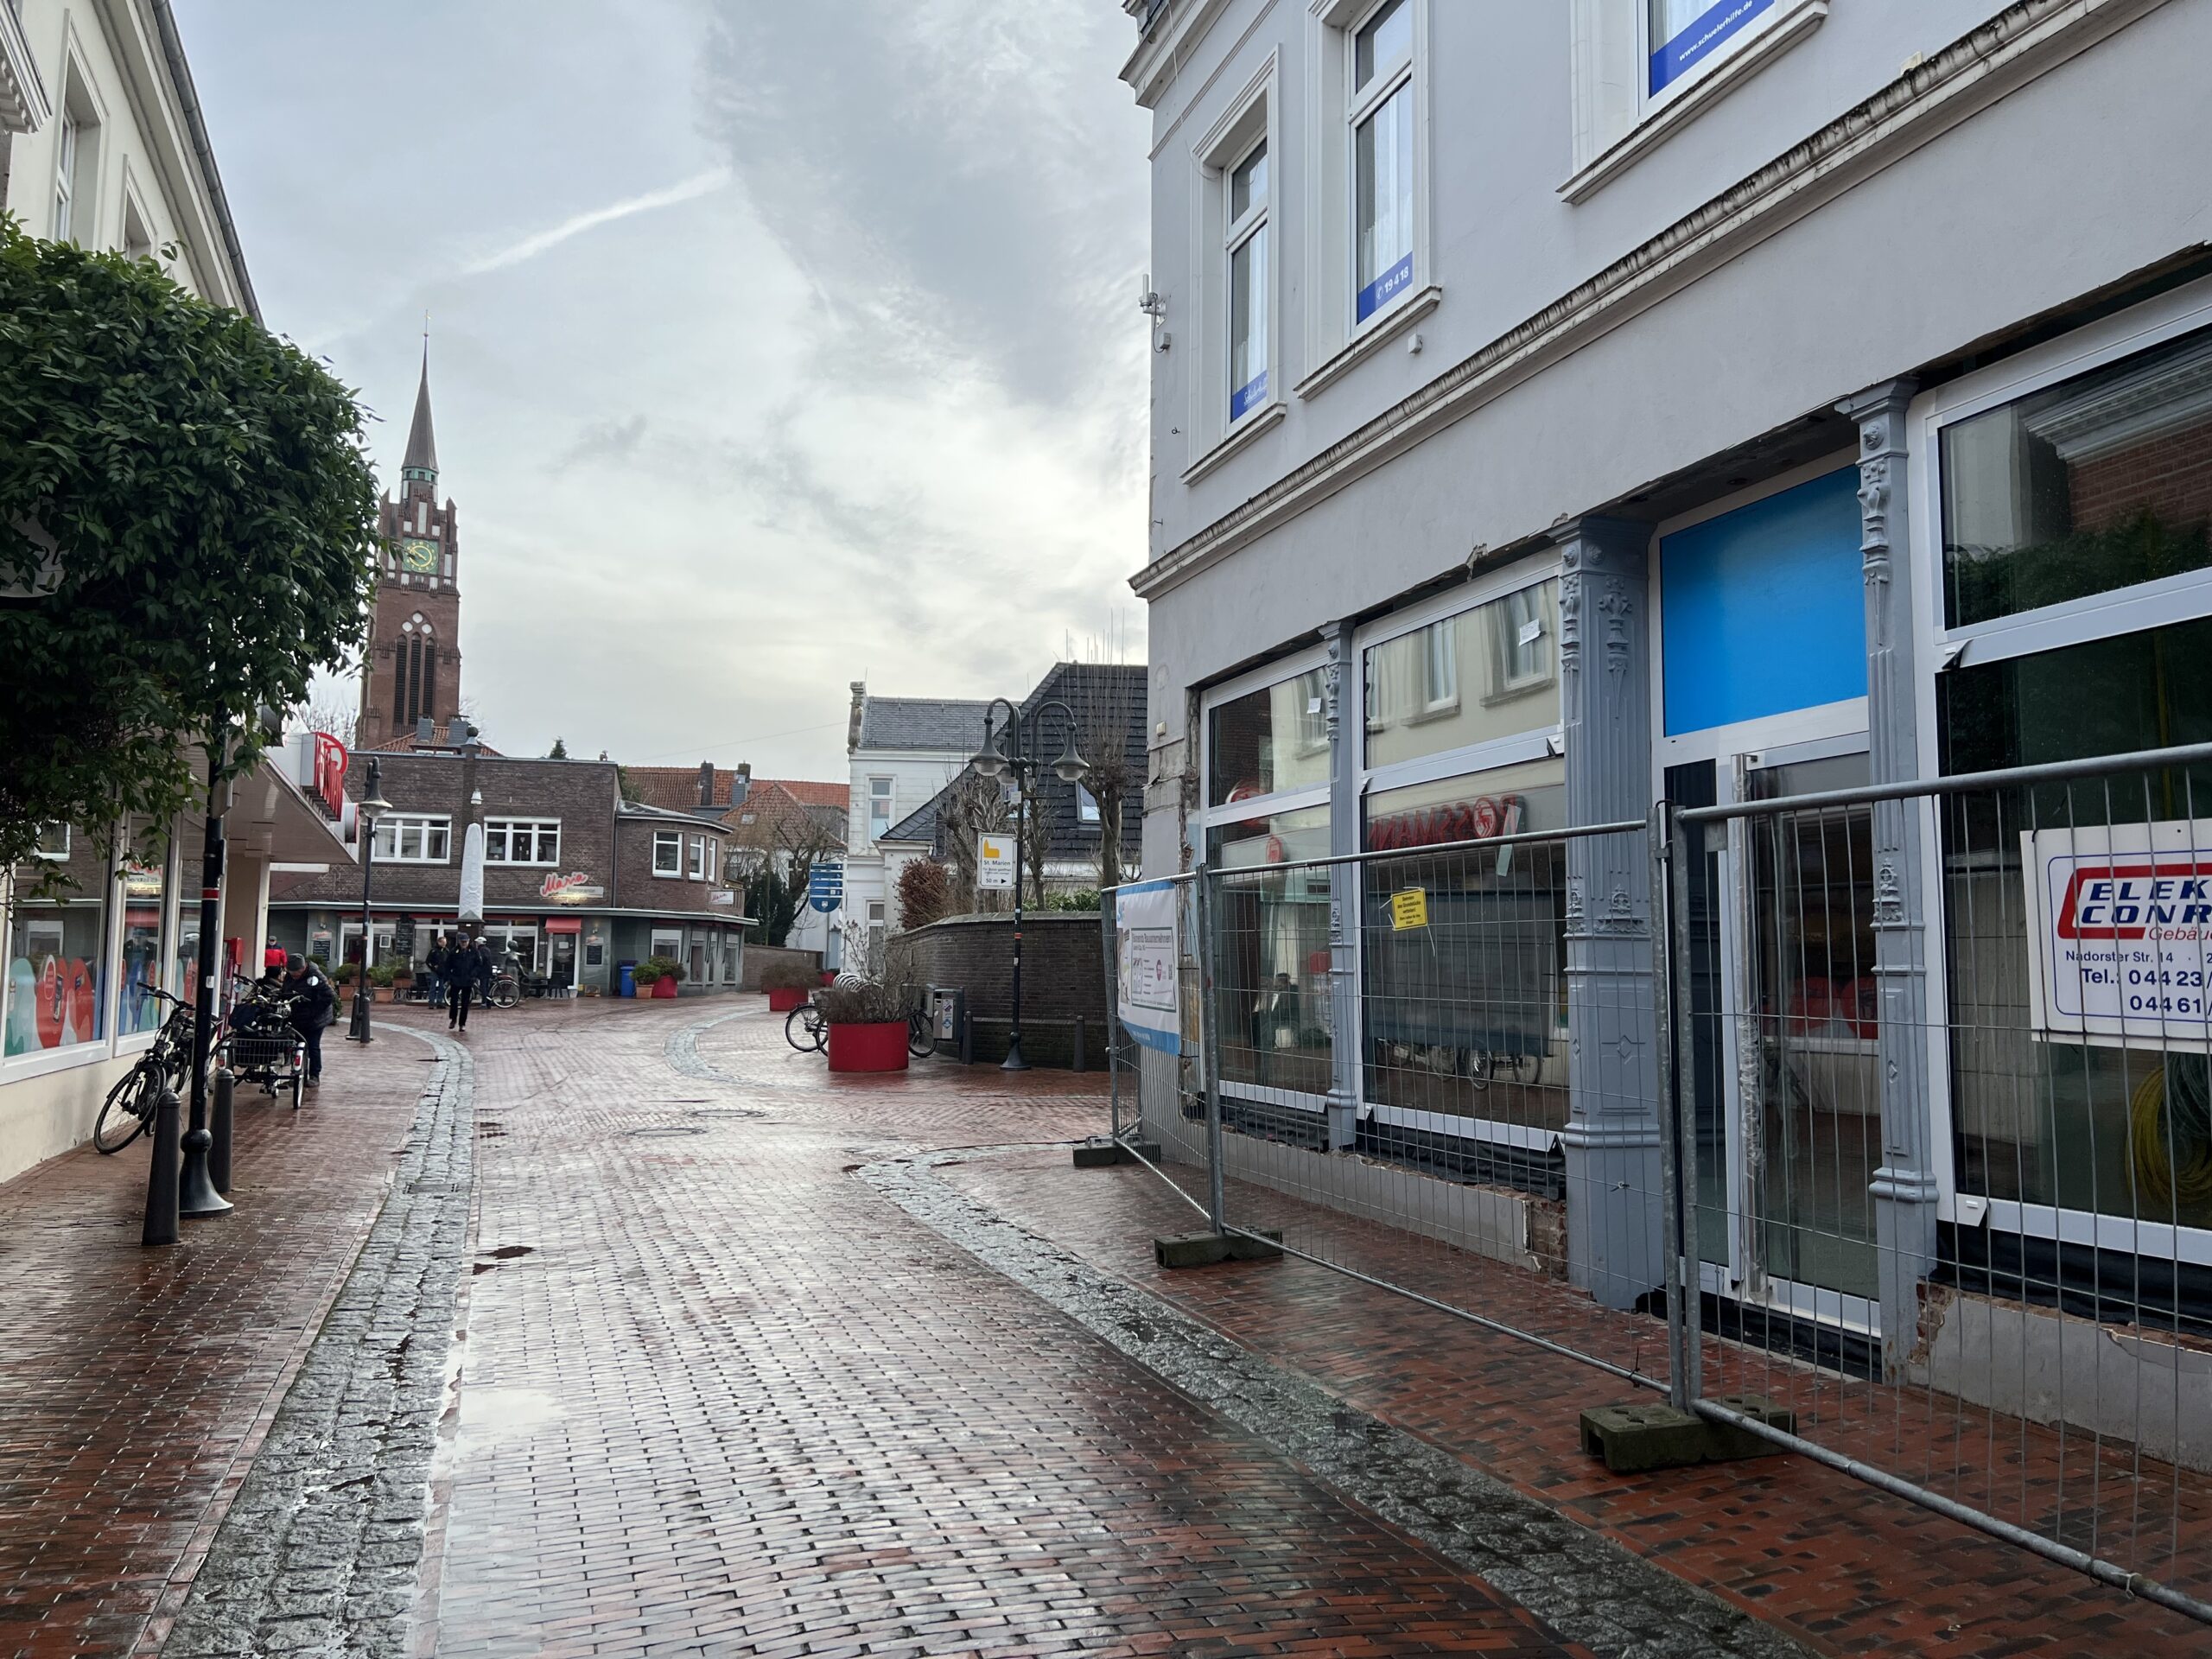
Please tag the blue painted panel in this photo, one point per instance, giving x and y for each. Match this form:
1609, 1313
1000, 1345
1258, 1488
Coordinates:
1700, 38
1763, 610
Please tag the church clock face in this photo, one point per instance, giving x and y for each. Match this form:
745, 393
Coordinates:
418, 558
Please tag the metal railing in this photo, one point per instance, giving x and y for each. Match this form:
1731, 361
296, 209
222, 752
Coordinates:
1826, 1097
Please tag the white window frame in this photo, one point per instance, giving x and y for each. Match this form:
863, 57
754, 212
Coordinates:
673, 939
425, 821
2099, 616
1363, 106
697, 868
66, 131
535, 828
1248, 119
671, 841
887, 797
1205, 817
1250, 229
1337, 336
1617, 118
1087, 809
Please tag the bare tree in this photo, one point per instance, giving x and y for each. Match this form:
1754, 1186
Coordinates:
1115, 775
333, 711
972, 807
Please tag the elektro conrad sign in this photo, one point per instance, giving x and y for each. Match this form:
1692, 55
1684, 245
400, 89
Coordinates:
2121, 932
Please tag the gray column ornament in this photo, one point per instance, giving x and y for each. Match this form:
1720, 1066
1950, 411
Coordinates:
1346, 722
1611, 1138
1905, 1187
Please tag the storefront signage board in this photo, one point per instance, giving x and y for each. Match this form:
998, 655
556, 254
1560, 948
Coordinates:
2120, 933
1147, 985
994, 863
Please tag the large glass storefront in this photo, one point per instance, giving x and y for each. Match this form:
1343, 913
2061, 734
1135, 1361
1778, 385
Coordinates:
58, 987
1273, 961
2071, 516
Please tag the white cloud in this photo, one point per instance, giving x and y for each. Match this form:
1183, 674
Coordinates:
530, 247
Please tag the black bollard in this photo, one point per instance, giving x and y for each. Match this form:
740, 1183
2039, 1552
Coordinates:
219, 1125
162, 1178
967, 1037
1079, 1055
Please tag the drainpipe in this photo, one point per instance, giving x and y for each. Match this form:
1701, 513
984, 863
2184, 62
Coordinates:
188, 96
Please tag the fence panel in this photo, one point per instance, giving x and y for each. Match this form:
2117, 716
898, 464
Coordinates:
1949, 1139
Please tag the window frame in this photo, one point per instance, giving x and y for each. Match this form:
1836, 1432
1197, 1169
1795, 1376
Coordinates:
1273, 673
423, 821
1253, 228
1249, 119
889, 798
535, 828
1363, 106
108, 988
658, 936
673, 839
695, 867
1939, 649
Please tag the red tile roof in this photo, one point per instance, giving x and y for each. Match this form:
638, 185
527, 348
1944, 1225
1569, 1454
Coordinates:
809, 793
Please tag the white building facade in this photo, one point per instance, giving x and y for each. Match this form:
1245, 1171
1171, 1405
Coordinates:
103, 146
903, 751
1561, 408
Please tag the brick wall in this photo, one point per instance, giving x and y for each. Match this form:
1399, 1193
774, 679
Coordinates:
2170, 475
640, 889
1063, 974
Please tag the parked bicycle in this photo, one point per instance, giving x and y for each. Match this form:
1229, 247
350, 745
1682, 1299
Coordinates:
259, 1044
805, 1030
921, 1041
128, 1111
505, 992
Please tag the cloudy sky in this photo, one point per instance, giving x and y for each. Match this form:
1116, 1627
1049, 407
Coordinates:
773, 346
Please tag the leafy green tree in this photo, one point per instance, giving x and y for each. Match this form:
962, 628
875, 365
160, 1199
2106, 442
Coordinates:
187, 527
560, 750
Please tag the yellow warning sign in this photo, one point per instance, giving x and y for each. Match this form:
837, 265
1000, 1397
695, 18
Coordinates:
1408, 908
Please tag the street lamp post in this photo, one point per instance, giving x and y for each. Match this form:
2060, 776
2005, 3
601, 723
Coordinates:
196, 1194
991, 761
372, 807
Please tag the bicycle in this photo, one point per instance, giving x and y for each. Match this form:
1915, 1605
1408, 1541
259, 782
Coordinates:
128, 1111
259, 1044
921, 1041
805, 1030
505, 992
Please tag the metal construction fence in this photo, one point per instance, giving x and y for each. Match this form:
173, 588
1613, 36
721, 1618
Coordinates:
1887, 1106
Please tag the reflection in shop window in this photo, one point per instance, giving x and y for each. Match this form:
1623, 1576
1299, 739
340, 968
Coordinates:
1503, 649
1268, 741
145, 920
2101, 482
57, 950
2121, 1129
1464, 1001
1273, 954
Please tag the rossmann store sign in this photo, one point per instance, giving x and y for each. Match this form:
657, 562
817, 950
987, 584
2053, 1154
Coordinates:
2120, 923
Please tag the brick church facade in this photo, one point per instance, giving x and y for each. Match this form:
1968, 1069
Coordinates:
411, 670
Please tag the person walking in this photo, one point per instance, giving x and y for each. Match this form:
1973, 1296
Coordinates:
463, 968
314, 1005
433, 970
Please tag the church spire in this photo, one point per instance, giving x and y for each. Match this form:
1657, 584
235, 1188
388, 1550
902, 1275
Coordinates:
422, 442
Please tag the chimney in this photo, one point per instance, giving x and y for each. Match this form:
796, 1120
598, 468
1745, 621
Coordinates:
853, 725
741, 787
457, 732
706, 782
426, 730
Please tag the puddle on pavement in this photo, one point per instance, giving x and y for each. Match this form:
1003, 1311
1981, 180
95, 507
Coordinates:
494, 1416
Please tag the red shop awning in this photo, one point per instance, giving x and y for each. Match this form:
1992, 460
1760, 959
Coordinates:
564, 923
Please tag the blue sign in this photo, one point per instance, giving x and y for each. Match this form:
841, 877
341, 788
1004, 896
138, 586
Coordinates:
1249, 395
825, 886
1386, 287
1713, 26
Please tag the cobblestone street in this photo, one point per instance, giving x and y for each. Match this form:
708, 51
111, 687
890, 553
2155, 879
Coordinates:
696, 1350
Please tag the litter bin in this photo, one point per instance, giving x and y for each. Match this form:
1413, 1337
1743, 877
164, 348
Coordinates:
627, 981
947, 1006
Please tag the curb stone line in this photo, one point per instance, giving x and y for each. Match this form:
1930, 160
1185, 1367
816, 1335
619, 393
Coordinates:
1585, 1586
319, 1551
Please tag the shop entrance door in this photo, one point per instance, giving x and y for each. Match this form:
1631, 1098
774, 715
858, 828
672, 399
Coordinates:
1788, 1091
560, 949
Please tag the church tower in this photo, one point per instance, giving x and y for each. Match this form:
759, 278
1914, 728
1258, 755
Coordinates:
411, 670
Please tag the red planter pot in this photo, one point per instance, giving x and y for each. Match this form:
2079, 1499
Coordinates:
783, 1002
663, 988
874, 1047
828, 976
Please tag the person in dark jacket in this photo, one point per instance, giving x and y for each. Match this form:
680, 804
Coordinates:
433, 970
314, 1005
469, 974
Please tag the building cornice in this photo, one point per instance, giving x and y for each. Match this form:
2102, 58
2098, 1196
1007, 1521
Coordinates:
2026, 40
1164, 49
24, 107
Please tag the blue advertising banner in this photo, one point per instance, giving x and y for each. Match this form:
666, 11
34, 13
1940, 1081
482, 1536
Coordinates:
1385, 287
825, 886
1693, 43
1249, 395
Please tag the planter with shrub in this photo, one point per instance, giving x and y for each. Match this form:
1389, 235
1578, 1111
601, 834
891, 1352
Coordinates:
868, 1027
668, 974
642, 977
787, 984
380, 981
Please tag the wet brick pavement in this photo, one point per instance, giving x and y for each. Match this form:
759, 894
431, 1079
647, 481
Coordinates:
718, 1395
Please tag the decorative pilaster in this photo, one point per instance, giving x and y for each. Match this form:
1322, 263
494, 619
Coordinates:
1611, 1139
1903, 1188
1344, 887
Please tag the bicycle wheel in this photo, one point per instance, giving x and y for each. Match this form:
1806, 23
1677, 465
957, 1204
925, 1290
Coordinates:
299, 1082
798, 1030
505, 993
128, 1111
921, 1041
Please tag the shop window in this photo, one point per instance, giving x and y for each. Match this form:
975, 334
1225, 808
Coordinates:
668, 853
58, 958
1268, 741
1463, 948
1503, 648
1273, 952
2113, 1126
522, 840
2101, 482
145, 929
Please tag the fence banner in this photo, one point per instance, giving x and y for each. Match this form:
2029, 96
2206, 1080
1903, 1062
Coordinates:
2123, 930
1146, 960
